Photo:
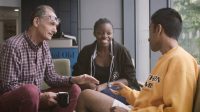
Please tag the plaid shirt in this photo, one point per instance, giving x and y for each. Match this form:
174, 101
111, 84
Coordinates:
23, 62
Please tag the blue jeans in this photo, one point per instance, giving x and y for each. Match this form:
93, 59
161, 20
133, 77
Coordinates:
108, 92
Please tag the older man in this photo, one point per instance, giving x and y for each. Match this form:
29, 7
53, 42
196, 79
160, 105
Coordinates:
25, 61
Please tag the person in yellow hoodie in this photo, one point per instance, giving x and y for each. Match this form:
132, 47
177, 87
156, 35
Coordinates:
170, 86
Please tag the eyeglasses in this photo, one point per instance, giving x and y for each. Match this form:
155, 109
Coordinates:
53, 19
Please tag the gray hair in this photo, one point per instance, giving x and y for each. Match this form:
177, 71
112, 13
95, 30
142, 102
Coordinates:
40, 11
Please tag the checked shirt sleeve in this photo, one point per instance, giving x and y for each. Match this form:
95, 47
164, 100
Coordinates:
51, 77
9, 68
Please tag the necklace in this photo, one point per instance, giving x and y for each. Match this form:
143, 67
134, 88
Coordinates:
92, 65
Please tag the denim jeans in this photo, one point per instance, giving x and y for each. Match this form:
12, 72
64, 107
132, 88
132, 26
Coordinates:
117, 97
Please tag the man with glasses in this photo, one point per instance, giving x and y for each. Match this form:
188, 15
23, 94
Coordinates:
25, 61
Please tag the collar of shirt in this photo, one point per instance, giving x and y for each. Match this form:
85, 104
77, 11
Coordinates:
31, 43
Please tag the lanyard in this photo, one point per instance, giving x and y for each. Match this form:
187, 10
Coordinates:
92, 63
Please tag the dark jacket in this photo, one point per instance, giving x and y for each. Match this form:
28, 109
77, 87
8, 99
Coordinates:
123, 66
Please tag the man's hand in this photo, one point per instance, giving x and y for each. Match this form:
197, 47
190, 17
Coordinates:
47, 100
89, 86
84, 79
118, 109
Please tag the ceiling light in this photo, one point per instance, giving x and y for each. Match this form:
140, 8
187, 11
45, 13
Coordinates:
16, 10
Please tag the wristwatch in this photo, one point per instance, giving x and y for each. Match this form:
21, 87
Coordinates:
70, 80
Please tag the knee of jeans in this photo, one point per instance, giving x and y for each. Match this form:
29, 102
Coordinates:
30, 91
75, 90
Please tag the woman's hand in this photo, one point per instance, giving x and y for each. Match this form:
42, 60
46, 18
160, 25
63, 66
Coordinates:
101, 87
119, 86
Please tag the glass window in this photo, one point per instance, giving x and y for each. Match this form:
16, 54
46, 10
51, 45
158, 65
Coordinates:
190, 37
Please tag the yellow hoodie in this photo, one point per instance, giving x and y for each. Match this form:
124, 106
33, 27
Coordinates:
170, 87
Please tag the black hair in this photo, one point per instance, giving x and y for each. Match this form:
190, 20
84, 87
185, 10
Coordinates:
170, 20
40, 11
100, 22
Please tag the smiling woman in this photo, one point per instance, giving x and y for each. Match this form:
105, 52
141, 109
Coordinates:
106, 60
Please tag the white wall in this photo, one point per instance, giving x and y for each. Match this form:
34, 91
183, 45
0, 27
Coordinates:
154, 6
91, 10
142, 44
129, 26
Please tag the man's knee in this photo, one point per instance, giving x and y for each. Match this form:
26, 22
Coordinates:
75, 90
30, 92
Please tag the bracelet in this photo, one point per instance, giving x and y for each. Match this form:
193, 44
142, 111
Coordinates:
70, 80
109, 85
